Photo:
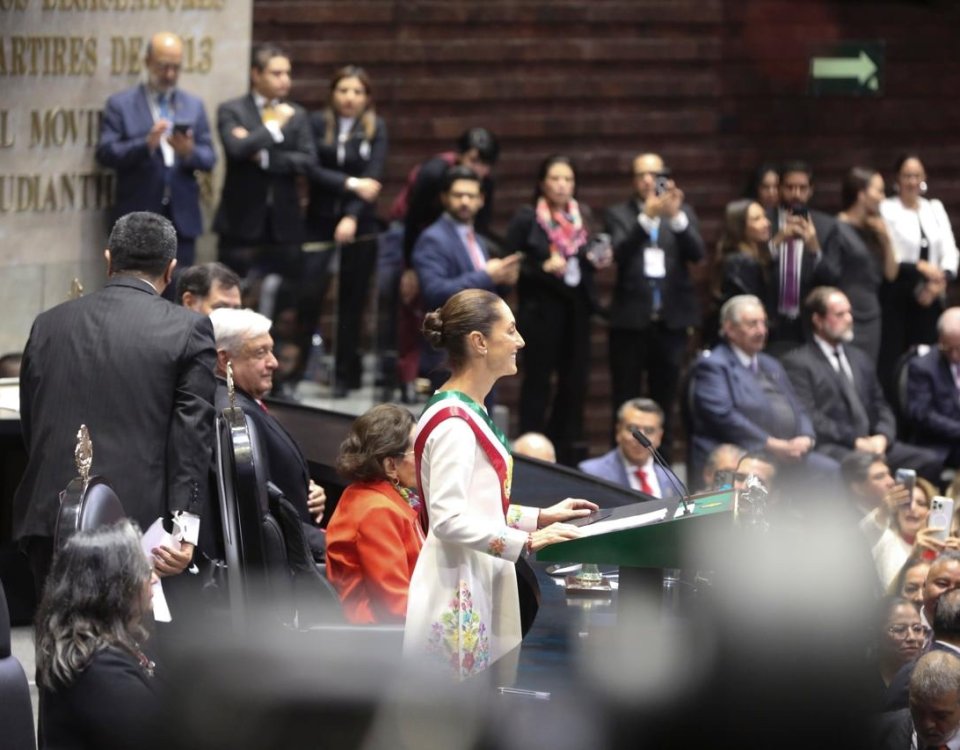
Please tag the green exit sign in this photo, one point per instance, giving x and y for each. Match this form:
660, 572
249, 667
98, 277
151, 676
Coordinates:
848, 68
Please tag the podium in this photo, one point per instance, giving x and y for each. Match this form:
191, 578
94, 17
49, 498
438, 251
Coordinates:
642, 552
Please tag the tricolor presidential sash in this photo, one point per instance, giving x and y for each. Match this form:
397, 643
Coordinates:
458, 405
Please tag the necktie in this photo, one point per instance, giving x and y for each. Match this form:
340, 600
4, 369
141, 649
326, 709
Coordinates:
163, 106
861, 422
641, 475
789, 282
474, 249
269, 113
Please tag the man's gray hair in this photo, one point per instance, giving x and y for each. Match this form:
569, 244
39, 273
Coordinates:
946, 620
233, 328
937, 673
734, 306
647, 405
949, 321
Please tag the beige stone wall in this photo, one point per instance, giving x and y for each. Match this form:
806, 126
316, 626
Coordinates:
59, 60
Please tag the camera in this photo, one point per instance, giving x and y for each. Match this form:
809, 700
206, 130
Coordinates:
798, 209
181, 127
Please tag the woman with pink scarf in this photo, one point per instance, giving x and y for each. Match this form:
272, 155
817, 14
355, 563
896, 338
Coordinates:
556, 301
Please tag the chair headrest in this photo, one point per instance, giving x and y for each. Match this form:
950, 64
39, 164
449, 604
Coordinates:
5, 650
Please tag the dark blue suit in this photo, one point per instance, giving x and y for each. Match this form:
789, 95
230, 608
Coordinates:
444, 265
143, 182
609, 466
933, 405
730, 406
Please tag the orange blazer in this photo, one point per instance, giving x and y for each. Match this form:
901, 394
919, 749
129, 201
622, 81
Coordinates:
373, 540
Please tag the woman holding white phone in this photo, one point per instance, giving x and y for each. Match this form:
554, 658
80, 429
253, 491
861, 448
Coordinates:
913, 528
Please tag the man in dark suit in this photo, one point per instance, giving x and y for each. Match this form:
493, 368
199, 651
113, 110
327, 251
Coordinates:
655, 241
932, 721
933, 392
156, 136
839, 389
450, 256
420, 203
138, 371
268, 145
743, 396
208, 287
244, 340
630, 463
800, 241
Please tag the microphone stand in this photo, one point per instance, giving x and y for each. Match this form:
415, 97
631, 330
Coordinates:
674, 479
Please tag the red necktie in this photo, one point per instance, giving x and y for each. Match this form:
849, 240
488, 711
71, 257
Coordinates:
641, 474
474, 249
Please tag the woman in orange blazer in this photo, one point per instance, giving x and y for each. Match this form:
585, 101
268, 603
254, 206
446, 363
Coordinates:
374, 535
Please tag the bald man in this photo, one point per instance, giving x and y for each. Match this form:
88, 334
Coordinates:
933, 392
156, 136
535, 445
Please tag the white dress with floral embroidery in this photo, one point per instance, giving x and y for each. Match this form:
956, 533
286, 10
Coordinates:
463, 610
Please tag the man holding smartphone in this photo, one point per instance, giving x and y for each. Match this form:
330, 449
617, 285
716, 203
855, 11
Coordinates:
802, 236
656, 240
156, 136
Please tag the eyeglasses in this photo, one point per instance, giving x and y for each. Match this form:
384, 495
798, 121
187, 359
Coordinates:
648, 431
900, 631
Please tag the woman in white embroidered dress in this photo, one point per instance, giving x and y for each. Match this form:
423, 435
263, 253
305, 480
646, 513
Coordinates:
463, 610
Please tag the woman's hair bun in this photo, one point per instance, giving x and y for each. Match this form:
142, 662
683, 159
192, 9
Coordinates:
433, 329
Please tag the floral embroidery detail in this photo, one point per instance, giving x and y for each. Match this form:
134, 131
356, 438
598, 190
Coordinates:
514, 516
497, 546
459, 637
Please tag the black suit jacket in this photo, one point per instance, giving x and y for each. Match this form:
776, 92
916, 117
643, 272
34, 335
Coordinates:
892, 730
820, 390
815, 270
112, 705
933, 403
252, 194
424, 205
632, 299
286, 467
330, 201
526, 235
138, 371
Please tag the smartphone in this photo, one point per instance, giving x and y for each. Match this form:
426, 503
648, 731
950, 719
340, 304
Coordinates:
181, 127
798, 209
908, 478
662, 183
941, 516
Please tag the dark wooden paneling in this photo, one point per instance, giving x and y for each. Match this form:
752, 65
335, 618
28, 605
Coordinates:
716, 86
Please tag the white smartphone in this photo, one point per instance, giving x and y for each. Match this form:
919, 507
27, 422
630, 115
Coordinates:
941, 515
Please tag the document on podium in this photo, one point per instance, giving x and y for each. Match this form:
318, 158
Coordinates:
625, 522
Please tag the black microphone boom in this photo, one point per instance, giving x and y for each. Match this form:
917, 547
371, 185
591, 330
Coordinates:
641, 438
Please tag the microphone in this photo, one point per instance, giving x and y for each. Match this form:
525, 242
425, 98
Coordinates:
641, 438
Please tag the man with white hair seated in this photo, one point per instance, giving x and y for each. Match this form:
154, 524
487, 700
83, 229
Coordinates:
933, 392
243, 339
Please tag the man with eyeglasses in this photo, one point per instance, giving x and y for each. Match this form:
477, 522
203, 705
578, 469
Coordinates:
933, 392
157, 137
244, 342
631, 464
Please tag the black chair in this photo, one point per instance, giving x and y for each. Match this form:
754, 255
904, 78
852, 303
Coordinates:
268, 560
16, 709
86, 505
